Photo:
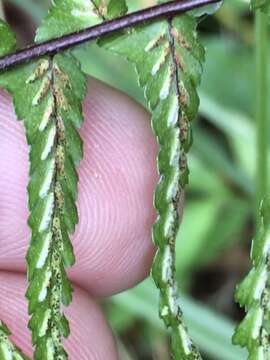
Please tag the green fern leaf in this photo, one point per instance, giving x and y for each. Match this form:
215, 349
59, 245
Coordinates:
7, 39
66, 16
254, 294
168, 59
7, 350
116, 8
47, 97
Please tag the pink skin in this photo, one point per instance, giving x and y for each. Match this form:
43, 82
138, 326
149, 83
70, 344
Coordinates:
113, 239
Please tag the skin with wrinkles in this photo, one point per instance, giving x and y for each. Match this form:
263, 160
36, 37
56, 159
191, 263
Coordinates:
113, 240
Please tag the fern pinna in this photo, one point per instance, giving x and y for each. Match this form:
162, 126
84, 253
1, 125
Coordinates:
47, 96
168, 59
7, 350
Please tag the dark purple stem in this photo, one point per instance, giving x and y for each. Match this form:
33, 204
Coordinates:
53, 46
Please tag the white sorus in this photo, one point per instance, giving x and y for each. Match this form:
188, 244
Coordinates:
47, 179
261, 284
172, 296
187, 344
49, 143
169, 219
173, 188
173, 114
44, 325
40, 70
44, 251
154, 42
175, 149
50, 349
43, 292
47, 114
160, 61
258, 323
165, 311
47, 213
44, 87
167, 264
165, 90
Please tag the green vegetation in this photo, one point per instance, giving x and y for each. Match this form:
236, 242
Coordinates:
228, 176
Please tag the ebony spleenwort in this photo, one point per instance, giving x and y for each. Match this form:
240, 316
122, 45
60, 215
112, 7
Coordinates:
8, 351
47, 96
168, 59
49, 286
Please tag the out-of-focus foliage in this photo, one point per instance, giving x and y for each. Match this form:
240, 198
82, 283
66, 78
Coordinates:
219, 200
260, 4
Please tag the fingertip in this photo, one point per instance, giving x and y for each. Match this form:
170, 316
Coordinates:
117, 180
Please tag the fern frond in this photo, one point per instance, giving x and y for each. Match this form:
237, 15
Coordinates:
168, 59
254, 294
47, 96
7, 350
55, 151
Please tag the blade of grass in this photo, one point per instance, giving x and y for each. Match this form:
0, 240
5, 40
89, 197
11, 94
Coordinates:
214, 155
261, 34
239, 129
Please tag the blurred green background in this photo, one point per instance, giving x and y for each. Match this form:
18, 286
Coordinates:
214, 240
